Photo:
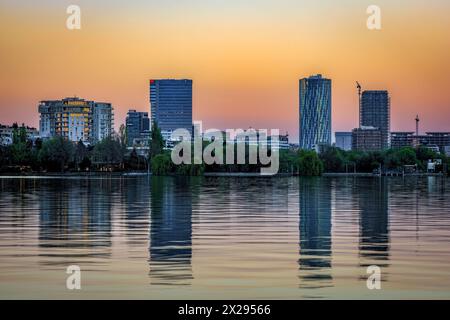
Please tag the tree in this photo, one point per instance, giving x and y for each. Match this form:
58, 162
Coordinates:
81, 157
157, 141
56, 153
20, 149
407, 156
161, 164
123, 136
309, 163
108, 152
333, 159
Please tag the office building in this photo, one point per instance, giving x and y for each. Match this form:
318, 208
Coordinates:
315, 112
171, 105
366, 139
138, 128
435, 140
375, 112
344, 140
75, 119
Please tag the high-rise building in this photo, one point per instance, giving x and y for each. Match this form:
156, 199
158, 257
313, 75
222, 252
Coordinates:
75, 119
366, 139
171, 105
315, 112
375, 112
344, 140
138, 127
102, 121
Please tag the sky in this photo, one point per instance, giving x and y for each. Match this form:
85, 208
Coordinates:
245, 57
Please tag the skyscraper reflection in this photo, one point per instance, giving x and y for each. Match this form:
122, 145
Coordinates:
372, 195
171, 231
315, 233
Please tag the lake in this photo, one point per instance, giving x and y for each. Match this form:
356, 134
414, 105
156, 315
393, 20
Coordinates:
224, 238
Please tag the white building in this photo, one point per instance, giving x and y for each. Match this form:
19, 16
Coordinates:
76, 119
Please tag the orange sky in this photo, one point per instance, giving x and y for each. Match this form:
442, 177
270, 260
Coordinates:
245, 57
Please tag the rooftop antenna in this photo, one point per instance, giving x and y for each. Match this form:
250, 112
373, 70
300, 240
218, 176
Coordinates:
417, 125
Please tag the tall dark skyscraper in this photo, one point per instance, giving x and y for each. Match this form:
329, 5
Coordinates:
375, 111
315, 112
171, 105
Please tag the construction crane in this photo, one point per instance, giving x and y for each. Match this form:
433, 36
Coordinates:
358, 86
417, 125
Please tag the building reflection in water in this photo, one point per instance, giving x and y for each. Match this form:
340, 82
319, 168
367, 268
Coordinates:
171, 231
315, 233
135, 194
75, 215
372, 195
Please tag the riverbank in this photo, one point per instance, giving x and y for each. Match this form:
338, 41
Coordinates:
73, 174
362, 174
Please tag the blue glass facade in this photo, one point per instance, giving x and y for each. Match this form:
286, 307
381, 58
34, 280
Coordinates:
171, 104
315, 112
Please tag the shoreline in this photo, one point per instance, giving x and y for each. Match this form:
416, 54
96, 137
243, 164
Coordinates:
206, 174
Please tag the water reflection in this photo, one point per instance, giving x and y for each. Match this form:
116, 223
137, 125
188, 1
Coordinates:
74, 215
171, 231
225, 238
372, 195
315, 233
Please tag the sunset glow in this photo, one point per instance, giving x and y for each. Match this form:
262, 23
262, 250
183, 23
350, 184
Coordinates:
245, 58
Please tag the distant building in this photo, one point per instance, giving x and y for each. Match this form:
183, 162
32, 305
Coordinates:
402, 139
138, 128
315, 112
375, 112
102, 121
7, 134
434, 140
75, 119
283, 142
366, 139
447, 151
440, 139
344, 140
171, 105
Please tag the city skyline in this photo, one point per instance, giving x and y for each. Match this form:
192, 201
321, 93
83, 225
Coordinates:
245, 59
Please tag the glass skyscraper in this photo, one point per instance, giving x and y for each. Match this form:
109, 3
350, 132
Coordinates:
375, 112
171, 105
315, 112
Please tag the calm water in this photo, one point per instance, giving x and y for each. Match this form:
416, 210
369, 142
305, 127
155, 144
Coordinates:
290, 238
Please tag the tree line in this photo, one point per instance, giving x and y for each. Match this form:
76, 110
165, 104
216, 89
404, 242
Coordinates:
111, 154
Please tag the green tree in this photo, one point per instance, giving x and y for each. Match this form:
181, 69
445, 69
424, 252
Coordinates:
20, 148
157, 141
309, 163
108, 152
161, 164
123, 136
81, 156
333, 159
56, 153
